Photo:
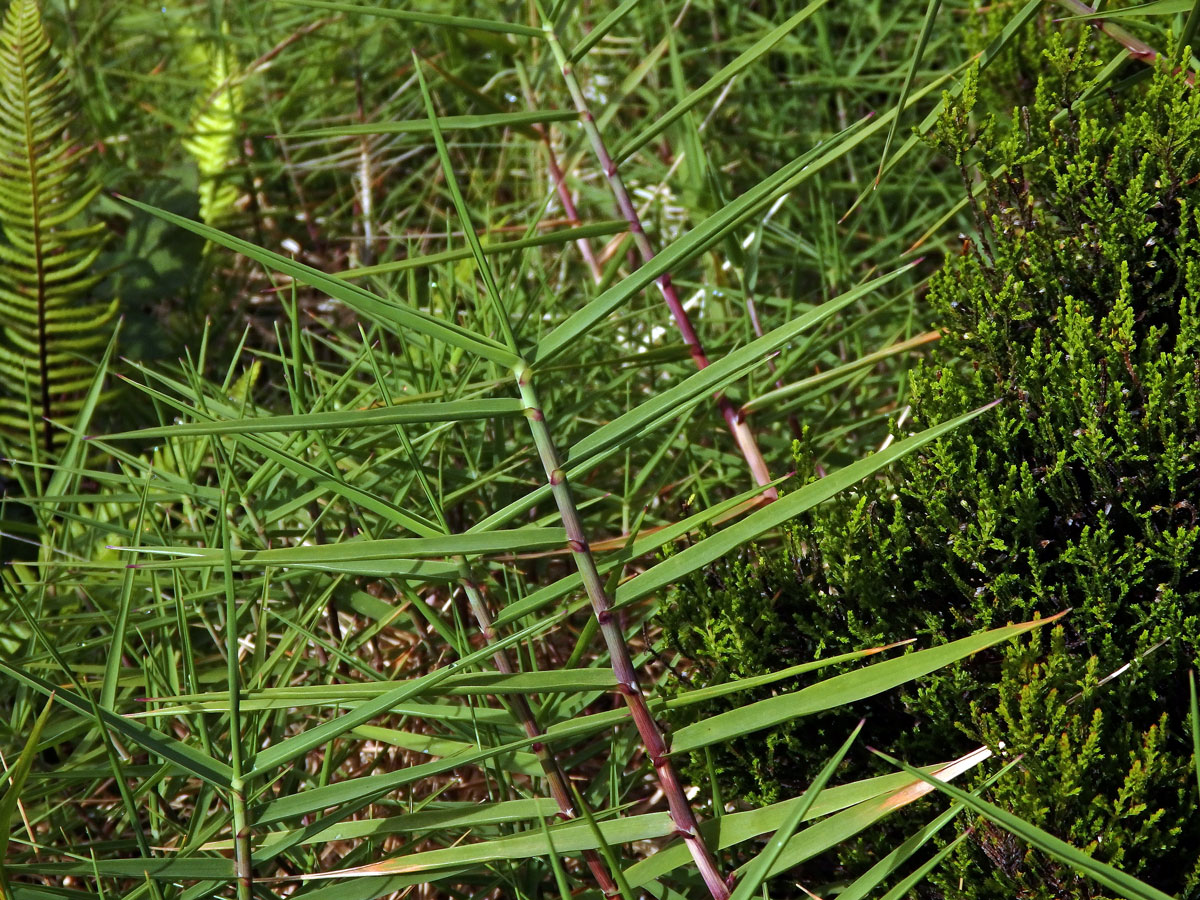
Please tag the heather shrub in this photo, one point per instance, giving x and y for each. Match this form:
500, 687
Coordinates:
1075, 305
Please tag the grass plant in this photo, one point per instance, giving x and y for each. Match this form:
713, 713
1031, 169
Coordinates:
442, 321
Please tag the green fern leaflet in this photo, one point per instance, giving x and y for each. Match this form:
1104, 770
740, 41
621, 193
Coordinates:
49, 323
212, 141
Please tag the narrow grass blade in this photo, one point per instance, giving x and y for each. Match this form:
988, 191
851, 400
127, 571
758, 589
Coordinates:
557, 236
649, 543
675, 254
865, 884
1195, 711
316, 799
158, 868
718, 375
931, 12
438, 20
358, 299
1125, 885
702, 695
603, 27
328, 556
471, 815
842, 690
550, 681
291, 748
560, 873
786, 507
464, 214
187, 758
1157, 8
855, 806
403, 413
1012, 27
743, 61
112, 668
520, 762
571, 837
74, 452
1190, 28
517, 120
774, 398
902, 889
16, 777
757, 872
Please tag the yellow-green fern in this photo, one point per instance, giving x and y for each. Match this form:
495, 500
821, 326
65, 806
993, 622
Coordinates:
213, 127
50, 324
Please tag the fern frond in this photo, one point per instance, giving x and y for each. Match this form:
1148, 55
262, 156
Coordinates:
212, 134
49, 323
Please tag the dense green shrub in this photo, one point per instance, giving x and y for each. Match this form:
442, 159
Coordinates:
1076, 305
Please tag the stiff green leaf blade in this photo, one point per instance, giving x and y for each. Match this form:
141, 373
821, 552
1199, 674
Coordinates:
285, 751
855, 806
76, 449
786, 507
1125, 885
865, 884
329, 556
517, 120
902, 889
603, 27
17, 775
777, 396
399, 414
372, 786
524, 763
550, 681
931, 12
557, 236
464, 214
744, 60
1190, 27
571, 837
841, 690
457, 815
757, 873
108, 691
1157, 8
1012, 27
704, 694
423, 18
158, 868
187, 758
650, 543
365, 888
358, 299
718, 375
717, 226
695, 242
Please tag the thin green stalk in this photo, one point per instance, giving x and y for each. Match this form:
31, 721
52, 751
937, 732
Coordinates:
628, 683
556, 779
740, 430
560, 181
237, 790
